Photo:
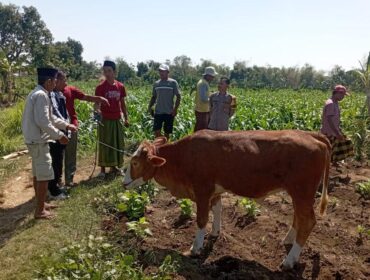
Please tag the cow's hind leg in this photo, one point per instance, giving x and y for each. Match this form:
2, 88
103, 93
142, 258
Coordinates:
292, 233
216, 209
203, 206
305, 221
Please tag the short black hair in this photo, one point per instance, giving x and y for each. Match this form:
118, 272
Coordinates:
42, 79
45, 73
109, 63
61, 74
226, 79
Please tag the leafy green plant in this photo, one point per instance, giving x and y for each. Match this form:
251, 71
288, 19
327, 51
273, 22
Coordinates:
168, 267
132, 204
95, 258
364, 189
363, 233
149, 188
360, 134
250, 207
335, 202
362, 230
139, 228
186, 207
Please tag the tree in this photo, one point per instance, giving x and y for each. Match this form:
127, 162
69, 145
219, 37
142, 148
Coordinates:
239, 73
125, 71
23, 38
142, 69
307, 77
21, 32
76, 49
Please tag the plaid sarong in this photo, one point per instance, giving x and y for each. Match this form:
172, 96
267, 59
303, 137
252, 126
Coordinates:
341, 149
110, 132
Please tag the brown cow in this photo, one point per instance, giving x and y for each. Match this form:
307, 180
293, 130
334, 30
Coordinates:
246, 163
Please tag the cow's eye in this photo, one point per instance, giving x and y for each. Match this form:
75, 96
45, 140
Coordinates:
134, 164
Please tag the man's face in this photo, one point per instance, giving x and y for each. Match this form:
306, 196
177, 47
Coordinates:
108, 73
209, 78
61, 83
50, 84
223, 86
339, 96
163, 74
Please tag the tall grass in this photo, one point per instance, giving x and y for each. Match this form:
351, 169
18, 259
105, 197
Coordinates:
11, 138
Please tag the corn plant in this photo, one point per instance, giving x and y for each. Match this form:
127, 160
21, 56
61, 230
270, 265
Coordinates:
186, 207
360, 134
132, 204
139, 228
250, 207
364, 189
363, 232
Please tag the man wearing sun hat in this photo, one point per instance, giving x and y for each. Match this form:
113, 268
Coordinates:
202, 99
163, 94
341, 146
39, 127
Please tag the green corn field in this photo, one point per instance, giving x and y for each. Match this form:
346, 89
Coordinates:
261, 109
256, 109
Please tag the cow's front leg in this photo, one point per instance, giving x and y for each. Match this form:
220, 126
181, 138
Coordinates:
202, 219
216, 209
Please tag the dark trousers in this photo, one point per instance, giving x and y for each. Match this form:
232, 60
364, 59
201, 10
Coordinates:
201, 120
70, 161
57, 155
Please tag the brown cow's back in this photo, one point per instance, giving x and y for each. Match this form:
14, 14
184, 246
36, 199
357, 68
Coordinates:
248, 163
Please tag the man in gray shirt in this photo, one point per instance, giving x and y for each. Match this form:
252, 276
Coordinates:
39, 127
164, 91
222, 106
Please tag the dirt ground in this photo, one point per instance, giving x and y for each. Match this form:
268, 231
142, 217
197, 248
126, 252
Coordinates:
250, 249
246, 249
17, 196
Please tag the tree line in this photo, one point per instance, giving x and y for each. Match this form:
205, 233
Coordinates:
26, 43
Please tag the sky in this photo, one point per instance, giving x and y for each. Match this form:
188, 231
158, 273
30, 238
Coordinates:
323, 33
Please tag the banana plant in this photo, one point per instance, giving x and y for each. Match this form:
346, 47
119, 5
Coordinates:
364, 74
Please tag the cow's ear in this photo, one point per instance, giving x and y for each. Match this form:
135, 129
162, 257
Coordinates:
157, 161
159, 141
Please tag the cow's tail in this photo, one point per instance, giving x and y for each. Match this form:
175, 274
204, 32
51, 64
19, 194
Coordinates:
325, 183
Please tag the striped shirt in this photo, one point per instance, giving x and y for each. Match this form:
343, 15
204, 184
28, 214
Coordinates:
164, 92
222, 107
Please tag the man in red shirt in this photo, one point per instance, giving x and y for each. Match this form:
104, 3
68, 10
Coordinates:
110, 130
71, 93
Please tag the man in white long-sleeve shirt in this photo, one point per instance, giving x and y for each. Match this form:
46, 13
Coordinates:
39, 127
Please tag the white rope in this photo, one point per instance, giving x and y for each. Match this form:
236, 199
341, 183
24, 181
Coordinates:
113, 148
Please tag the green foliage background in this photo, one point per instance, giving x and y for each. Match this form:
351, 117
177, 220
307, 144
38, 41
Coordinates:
256, 109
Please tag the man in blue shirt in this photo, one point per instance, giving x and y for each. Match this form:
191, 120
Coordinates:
59, 109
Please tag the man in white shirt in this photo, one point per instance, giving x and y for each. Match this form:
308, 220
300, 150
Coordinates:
40, 126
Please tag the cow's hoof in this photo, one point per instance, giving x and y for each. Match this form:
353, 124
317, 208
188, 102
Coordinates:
286, 265
191, 253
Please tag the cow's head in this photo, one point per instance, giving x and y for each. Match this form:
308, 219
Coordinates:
143, 163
